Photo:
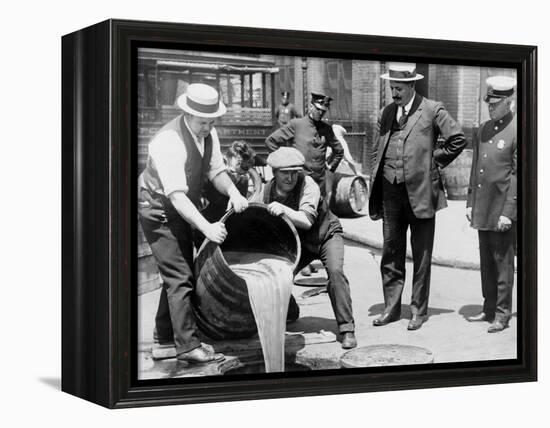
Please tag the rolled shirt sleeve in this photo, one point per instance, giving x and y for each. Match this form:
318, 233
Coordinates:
217, 164
309, 199
168, 155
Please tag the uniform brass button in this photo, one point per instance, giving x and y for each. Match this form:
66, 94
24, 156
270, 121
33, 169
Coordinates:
484, 155
490, 141
496, 128
479, 185
481, 171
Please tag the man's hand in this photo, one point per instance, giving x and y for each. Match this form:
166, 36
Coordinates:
238, 202
504, 224
276, 209
469, 213
215, 232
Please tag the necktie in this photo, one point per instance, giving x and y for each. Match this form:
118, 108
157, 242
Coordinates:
403, 118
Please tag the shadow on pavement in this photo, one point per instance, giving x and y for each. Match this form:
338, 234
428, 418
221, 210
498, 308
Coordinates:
378, 308
312, 325
470, 310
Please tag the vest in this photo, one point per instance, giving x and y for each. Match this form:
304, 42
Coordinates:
393, 159
196, 166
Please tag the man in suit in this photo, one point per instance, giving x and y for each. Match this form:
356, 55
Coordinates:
492, 202
182, 155
406, 188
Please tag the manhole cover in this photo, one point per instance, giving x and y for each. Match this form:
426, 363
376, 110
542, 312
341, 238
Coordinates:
386, 355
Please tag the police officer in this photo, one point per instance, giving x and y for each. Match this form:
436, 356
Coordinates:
286, 110
492, 202
311, 136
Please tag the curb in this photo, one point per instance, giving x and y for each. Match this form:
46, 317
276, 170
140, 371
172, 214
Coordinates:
436, 260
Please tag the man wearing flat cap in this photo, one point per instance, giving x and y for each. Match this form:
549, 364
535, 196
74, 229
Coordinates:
296, 195
182, 156
311, 136
406, 188
492, 202
286, 110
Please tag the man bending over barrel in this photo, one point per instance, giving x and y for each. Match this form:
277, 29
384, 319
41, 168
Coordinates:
297, 196
182, 155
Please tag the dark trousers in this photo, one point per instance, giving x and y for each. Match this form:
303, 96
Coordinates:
331, 254
496, 255
397, 217
170, 239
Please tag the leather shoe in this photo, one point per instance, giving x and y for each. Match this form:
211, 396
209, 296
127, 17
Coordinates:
348, 340
482, 316
416, 322
497, 326
384, 319
200, 355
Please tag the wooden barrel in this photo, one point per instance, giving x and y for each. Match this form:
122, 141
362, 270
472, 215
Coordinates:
456, 176
220, 302
349, 197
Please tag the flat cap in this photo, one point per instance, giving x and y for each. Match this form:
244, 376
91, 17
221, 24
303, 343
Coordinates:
286, 158
499, 87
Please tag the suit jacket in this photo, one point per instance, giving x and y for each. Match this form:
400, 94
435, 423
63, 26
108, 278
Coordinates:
427, 122
493, 180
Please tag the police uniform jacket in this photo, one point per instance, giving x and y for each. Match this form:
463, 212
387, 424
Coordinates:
422, 158
493, 180
311, 138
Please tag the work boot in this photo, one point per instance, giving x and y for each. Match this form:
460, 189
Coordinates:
348, 340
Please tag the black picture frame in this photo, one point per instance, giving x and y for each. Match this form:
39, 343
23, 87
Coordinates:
98, 224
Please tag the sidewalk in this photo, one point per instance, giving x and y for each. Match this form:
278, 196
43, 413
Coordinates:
455, 244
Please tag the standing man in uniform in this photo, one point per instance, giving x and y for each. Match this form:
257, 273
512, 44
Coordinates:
286, 110
297, 196
492, 202
406, 187
311, 136
182, 156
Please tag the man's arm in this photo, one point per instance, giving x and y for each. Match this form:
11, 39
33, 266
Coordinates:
280, 137
337, 151
305, 215
471, 184
225, 185
450, 130
298, 218
214, 232
510, 206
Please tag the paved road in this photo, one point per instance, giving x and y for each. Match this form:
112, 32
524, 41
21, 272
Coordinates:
455, 293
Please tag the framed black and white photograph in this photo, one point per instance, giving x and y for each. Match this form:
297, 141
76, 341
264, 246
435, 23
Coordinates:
253, 213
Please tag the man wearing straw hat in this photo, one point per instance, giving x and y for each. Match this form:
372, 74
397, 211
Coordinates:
492, 202
286, 110
296, 195
182, 156
406, 188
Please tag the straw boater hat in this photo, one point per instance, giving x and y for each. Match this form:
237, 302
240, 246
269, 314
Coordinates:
201, 100
286, 159
402, 72
499, 87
